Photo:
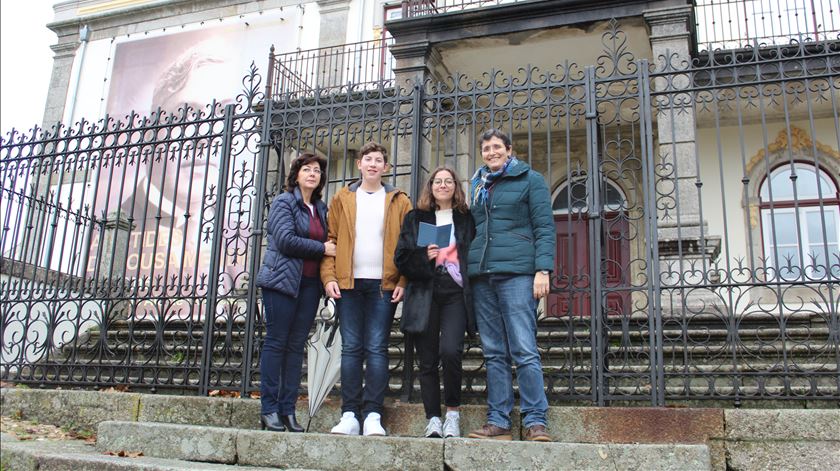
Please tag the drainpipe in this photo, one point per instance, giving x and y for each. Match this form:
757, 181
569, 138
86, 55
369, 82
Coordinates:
73, 92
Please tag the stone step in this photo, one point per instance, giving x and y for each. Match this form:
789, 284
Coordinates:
176, 353
55, 455
546, 333
333, 452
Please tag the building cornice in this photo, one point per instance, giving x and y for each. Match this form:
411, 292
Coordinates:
174, 10
65, 49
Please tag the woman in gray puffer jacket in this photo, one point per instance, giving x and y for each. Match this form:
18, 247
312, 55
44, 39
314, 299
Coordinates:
291, 287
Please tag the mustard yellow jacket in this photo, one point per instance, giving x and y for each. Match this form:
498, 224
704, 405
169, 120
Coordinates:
341, 223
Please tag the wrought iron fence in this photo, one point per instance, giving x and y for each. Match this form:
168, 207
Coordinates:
696, 206
127, 248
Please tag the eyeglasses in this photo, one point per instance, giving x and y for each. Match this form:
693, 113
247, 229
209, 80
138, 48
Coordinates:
446, 181
316, 171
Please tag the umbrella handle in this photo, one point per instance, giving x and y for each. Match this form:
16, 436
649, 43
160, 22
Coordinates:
333, 330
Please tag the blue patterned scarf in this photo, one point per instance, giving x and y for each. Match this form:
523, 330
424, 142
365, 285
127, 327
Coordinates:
483, 179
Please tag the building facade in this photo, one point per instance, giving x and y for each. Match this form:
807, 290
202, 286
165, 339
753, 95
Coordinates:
692, 150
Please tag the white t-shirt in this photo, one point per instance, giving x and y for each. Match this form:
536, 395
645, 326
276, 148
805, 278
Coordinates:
444, 217
370, 228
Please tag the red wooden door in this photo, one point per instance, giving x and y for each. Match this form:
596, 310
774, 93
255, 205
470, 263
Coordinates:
615, 263
570, 292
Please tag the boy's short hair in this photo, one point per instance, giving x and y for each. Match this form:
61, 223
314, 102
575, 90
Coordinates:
373, 147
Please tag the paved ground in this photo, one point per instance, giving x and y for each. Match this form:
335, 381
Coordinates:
27, 430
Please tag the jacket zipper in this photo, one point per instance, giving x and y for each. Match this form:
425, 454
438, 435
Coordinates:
486, 233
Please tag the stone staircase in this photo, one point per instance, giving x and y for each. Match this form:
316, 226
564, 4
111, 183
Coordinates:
189, 447
188, 433
176, 432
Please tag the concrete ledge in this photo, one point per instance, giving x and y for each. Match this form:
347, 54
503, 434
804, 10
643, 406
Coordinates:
14, 455
80, 409
480, 455
335, 452
74, 456
182, 442
190, 410
635, 425
409, 420
651, 425
782, 424
780, 455
277, 450
399, 418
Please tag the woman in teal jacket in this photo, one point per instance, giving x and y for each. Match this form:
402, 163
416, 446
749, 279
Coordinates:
510, 262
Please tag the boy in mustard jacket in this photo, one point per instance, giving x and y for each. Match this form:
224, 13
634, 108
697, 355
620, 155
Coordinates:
364, 220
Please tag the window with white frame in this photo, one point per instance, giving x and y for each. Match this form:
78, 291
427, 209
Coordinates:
800, 223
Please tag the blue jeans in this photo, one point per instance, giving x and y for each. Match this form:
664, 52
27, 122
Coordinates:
365, 315
505, 311
287, 324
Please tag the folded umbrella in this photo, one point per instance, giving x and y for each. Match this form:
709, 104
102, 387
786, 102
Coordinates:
323, 359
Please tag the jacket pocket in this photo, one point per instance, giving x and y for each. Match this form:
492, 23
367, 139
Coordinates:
522, 237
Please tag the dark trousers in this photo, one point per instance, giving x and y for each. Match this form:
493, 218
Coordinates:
442, 343
365, 314
287, 324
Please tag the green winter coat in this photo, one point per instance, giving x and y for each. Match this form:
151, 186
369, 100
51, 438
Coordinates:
514, 226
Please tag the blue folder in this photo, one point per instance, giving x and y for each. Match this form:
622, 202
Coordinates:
430, 234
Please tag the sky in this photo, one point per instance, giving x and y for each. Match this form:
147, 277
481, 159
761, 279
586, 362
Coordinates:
25, 62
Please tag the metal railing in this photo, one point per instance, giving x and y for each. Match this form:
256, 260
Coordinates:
735, 24
720, 24
417, 8
354, 65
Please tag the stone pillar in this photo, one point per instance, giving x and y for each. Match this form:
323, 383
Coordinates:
333, 35
65, 54
685, 249
114, 245
416, 62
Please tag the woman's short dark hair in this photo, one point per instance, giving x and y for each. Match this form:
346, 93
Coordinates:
427, 198
305, 159
493, 132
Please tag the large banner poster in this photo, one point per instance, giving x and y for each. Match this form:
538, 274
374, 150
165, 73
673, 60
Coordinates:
157, 189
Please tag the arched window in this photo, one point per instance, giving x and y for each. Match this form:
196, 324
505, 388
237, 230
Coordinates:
573, 195
800, 223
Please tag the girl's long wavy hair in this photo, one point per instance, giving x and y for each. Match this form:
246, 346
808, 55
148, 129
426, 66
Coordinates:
427, 200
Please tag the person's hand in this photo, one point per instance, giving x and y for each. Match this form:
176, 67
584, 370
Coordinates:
332, 290
329, 248
541, 281
399, 292
432, 251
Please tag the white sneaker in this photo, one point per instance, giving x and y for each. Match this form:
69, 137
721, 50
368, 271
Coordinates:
348, 425
433, 429
452, 425
373, 427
